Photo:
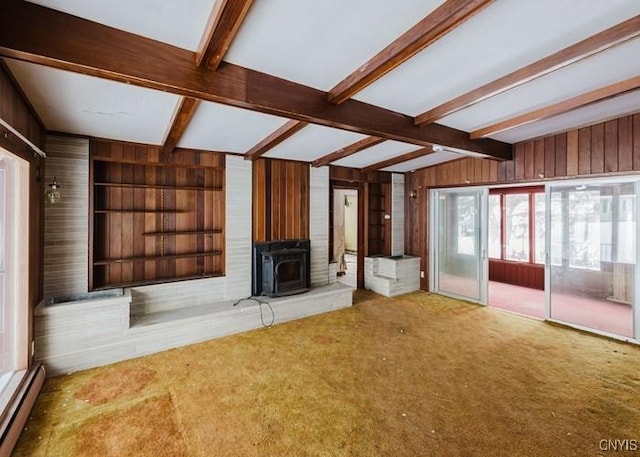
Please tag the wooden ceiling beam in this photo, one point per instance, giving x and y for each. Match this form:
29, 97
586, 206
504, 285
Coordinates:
602, 41
434, 26
180, 123
347, 151
35, 34
398, 159
224, 25
564, 106
278, 136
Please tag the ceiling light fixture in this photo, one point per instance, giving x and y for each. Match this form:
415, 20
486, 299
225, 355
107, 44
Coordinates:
437, 148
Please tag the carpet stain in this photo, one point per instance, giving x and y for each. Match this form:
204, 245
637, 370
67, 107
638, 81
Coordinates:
118, 384
147, 428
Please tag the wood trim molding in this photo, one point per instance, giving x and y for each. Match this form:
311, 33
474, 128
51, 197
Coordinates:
398, 159
347, 151
564, 106
35, 34
434, 26
604, 40
180, 123
227, 22
278, 136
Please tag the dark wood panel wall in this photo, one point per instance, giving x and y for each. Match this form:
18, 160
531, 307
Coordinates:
280, 200
606, 148
166, 222
15, 110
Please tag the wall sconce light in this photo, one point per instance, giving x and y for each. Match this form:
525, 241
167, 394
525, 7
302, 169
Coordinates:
413, 193
53, 194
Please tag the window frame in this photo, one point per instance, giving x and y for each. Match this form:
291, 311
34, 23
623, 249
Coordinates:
531, 191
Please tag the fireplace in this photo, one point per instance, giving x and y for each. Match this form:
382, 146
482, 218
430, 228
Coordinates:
281, 268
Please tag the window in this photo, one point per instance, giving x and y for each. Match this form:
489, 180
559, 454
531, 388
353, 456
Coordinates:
466, 210
517, 225
14, 210
584, 229
495, 218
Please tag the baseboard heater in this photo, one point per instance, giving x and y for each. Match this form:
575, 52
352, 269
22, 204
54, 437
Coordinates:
15, 416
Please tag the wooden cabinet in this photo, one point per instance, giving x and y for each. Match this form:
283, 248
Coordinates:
154, 221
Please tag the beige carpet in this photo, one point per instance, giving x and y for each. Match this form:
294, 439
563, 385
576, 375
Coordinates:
418, 375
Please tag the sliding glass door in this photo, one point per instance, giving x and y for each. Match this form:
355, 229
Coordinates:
459, 264
592, 255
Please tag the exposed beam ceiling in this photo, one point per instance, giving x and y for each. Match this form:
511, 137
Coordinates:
227, 25
559, 108
347, 151
398, 159
186, 111
277, 137
224, 23
606, 39
39, 35
441, 21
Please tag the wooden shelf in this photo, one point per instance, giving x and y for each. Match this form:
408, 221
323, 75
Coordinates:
183, 232
159, 281
158, 257
156, 186
107, 211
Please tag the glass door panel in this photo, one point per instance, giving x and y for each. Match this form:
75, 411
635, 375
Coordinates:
593, 255
458, 268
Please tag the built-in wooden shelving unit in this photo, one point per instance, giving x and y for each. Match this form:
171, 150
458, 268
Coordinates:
154, 220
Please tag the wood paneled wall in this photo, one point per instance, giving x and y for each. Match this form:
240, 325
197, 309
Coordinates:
15, 110
606, 148
280, 200
165, 223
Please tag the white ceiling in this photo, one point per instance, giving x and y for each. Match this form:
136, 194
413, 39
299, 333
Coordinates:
170, 21
426, 161
218, 127
313, 142
319, 43
505, 36
377, 153
85, 105
591, 114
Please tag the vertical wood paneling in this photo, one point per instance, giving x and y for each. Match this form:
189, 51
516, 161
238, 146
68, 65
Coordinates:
572, 153
597, 148
529, 160
280, 200
549, 157
636, 141
584, 149
518, 160
561, 154
611, 146
625, 144
538, 167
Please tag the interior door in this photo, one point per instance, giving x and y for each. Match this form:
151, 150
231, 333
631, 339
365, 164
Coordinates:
459, 266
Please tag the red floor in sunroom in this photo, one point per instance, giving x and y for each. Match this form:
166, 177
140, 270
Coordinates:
604, 315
